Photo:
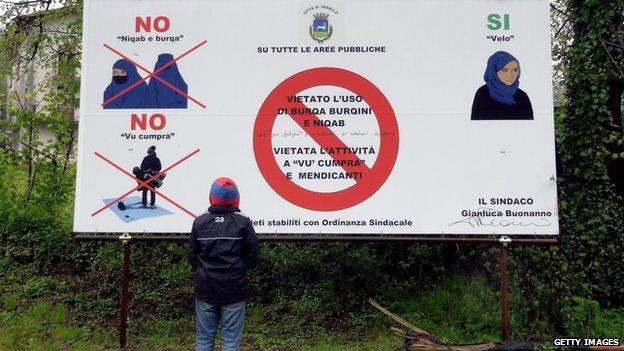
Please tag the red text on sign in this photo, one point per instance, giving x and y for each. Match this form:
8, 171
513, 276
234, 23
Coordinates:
156, 121
161, 24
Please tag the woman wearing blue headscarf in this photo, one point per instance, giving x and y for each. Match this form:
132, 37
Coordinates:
125, 75
500, 97
160, 95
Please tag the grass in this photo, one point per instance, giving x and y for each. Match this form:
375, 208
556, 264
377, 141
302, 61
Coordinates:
45, 326
40, 315
457, 310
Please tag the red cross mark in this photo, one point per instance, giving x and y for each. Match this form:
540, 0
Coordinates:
154, 75
145, 183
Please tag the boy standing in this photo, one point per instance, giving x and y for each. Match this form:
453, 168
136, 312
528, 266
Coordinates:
222, 247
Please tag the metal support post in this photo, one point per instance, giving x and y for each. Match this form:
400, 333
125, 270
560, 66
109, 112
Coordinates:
503, 289
125, 282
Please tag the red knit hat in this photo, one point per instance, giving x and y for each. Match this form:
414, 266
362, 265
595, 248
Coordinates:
224, 192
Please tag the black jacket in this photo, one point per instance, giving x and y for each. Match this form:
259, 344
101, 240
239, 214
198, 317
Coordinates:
222, 247
485, 107
151, 164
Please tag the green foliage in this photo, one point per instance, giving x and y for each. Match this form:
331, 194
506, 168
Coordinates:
457, 309
609, 324
592, 220
580, 316
9, 302
43, 286
36, 174
341, 277
562, 285
36, 217
45, 327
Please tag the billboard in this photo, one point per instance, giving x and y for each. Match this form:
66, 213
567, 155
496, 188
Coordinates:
333, 117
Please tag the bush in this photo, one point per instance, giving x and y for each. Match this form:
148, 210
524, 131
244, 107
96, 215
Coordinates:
43, 286
580, 315
340, 277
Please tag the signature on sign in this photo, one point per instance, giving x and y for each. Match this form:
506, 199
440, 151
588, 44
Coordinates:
477, 221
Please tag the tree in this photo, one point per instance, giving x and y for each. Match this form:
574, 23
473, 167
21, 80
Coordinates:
40, 57
40, 48
592, 150
586, 264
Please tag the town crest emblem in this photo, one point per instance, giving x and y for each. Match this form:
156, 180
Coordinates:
321, 30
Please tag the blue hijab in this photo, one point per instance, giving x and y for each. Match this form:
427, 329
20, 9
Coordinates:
500, 91
161, 96
133, 98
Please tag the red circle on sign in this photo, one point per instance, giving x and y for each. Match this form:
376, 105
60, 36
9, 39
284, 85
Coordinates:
374, 177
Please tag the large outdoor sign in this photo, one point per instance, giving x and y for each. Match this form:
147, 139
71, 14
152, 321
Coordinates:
333, 117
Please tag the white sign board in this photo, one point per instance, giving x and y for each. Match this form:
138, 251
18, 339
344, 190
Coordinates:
333, 117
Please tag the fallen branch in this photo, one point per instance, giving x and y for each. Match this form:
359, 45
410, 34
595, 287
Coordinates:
418, 339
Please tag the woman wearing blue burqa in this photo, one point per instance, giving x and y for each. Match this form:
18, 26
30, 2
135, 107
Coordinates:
500, 97
124, 76
160, 95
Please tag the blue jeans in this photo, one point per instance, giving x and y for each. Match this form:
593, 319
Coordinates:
208, 316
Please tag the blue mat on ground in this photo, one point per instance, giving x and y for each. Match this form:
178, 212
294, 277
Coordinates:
133, 211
